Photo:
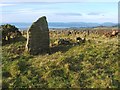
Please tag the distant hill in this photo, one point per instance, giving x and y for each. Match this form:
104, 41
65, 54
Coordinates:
108, 24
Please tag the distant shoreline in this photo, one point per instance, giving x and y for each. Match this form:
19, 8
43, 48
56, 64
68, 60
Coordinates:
68, 25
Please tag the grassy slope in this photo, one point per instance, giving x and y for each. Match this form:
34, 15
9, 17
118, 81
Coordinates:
92, 65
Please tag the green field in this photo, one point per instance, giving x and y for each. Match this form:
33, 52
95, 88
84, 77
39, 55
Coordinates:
93, 64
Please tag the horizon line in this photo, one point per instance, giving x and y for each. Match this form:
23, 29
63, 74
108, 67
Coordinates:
61, 22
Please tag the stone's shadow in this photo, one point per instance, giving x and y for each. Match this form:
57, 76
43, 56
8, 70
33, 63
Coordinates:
61, 48
52, 50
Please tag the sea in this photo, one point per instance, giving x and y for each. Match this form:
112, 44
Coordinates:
24, 26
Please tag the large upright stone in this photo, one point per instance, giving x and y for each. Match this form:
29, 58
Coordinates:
38, 37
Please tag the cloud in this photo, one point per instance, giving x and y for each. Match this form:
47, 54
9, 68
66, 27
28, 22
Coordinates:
69, 14
94, 13
33, 11
3, 4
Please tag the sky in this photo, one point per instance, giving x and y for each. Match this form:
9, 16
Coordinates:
59, 11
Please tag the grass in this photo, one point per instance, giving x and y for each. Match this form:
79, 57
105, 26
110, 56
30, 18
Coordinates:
94, 64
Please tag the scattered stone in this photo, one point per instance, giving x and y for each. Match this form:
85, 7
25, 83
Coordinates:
83, 40
114, 33
80, 40
111, 33
38, 37
63, 42
69, 33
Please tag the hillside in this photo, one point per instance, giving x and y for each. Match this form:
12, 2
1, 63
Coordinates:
93, 64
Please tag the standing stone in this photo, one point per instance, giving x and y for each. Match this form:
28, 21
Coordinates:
38, 37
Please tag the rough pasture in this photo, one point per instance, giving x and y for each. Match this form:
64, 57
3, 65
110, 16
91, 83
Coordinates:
93, 64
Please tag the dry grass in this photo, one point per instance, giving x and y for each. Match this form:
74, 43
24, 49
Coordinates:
93, 64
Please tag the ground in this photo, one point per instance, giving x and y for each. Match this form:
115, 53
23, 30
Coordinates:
93, 64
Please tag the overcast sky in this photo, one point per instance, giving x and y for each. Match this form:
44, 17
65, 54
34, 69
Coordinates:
59, 11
